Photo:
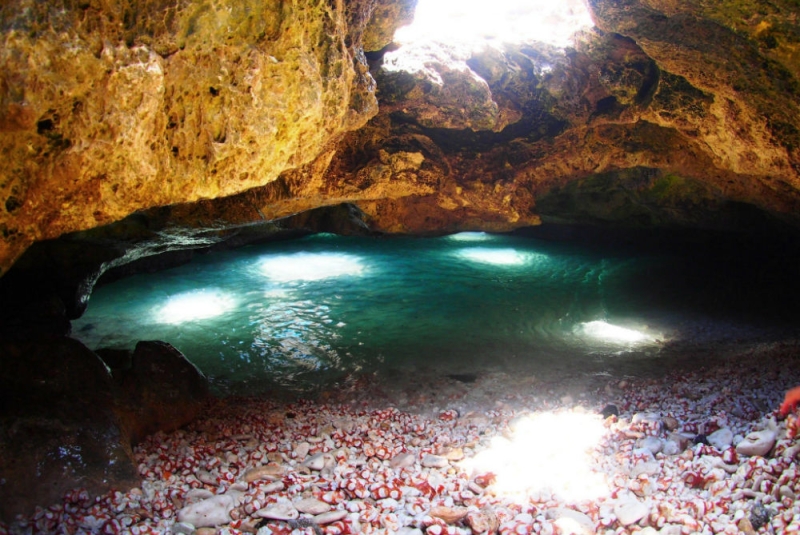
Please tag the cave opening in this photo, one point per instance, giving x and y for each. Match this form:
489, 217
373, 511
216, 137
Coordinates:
473, 24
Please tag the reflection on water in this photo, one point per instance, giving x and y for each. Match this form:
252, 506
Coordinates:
312, 312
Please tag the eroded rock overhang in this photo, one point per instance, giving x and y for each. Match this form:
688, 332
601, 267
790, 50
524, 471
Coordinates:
662, 115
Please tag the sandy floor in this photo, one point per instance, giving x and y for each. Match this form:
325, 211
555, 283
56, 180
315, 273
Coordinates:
476, 453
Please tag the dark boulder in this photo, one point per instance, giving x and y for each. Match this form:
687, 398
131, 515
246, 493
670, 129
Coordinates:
58, 427
160, 391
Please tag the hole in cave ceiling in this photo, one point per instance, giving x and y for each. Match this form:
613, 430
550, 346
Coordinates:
462, 27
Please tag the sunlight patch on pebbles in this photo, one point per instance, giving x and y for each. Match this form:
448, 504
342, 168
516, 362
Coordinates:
602, 330
548, 452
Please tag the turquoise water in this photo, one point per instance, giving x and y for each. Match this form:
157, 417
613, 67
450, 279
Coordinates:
311, 313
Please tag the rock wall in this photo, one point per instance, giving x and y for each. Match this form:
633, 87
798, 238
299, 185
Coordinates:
108, 107
660, 117
224, 116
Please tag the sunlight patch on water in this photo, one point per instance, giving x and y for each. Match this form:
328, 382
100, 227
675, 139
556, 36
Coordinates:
496, 257
548, 452
193, 306
470, 236
310, 266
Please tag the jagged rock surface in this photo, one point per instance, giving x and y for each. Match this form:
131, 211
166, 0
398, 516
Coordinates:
107, 108
667, 114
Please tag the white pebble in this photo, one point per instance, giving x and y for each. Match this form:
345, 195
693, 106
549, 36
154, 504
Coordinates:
330, 516
279, 511
630, 510
653, 444
721, 438
434, 461
208, 513
757, 443
183, 528
311, 506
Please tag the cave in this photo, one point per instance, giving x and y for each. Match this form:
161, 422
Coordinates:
399, 266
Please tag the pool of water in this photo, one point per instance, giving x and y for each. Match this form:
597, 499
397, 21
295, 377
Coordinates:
315, 312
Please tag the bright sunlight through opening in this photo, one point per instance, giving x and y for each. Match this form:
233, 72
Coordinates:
473, 22
548, 453
310, 266
194, 305
602, 330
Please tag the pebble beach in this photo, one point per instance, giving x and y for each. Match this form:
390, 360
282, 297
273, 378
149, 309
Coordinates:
693, 449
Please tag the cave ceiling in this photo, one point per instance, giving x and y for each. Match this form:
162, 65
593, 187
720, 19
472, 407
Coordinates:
186, 120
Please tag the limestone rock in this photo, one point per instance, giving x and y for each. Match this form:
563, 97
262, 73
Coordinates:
387, 16
670, 423
455, 454
275, 486
477, 521
186, 100
197, 495
182, 528
683, 119
301, 450
403, 460
653, 444
316, 461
